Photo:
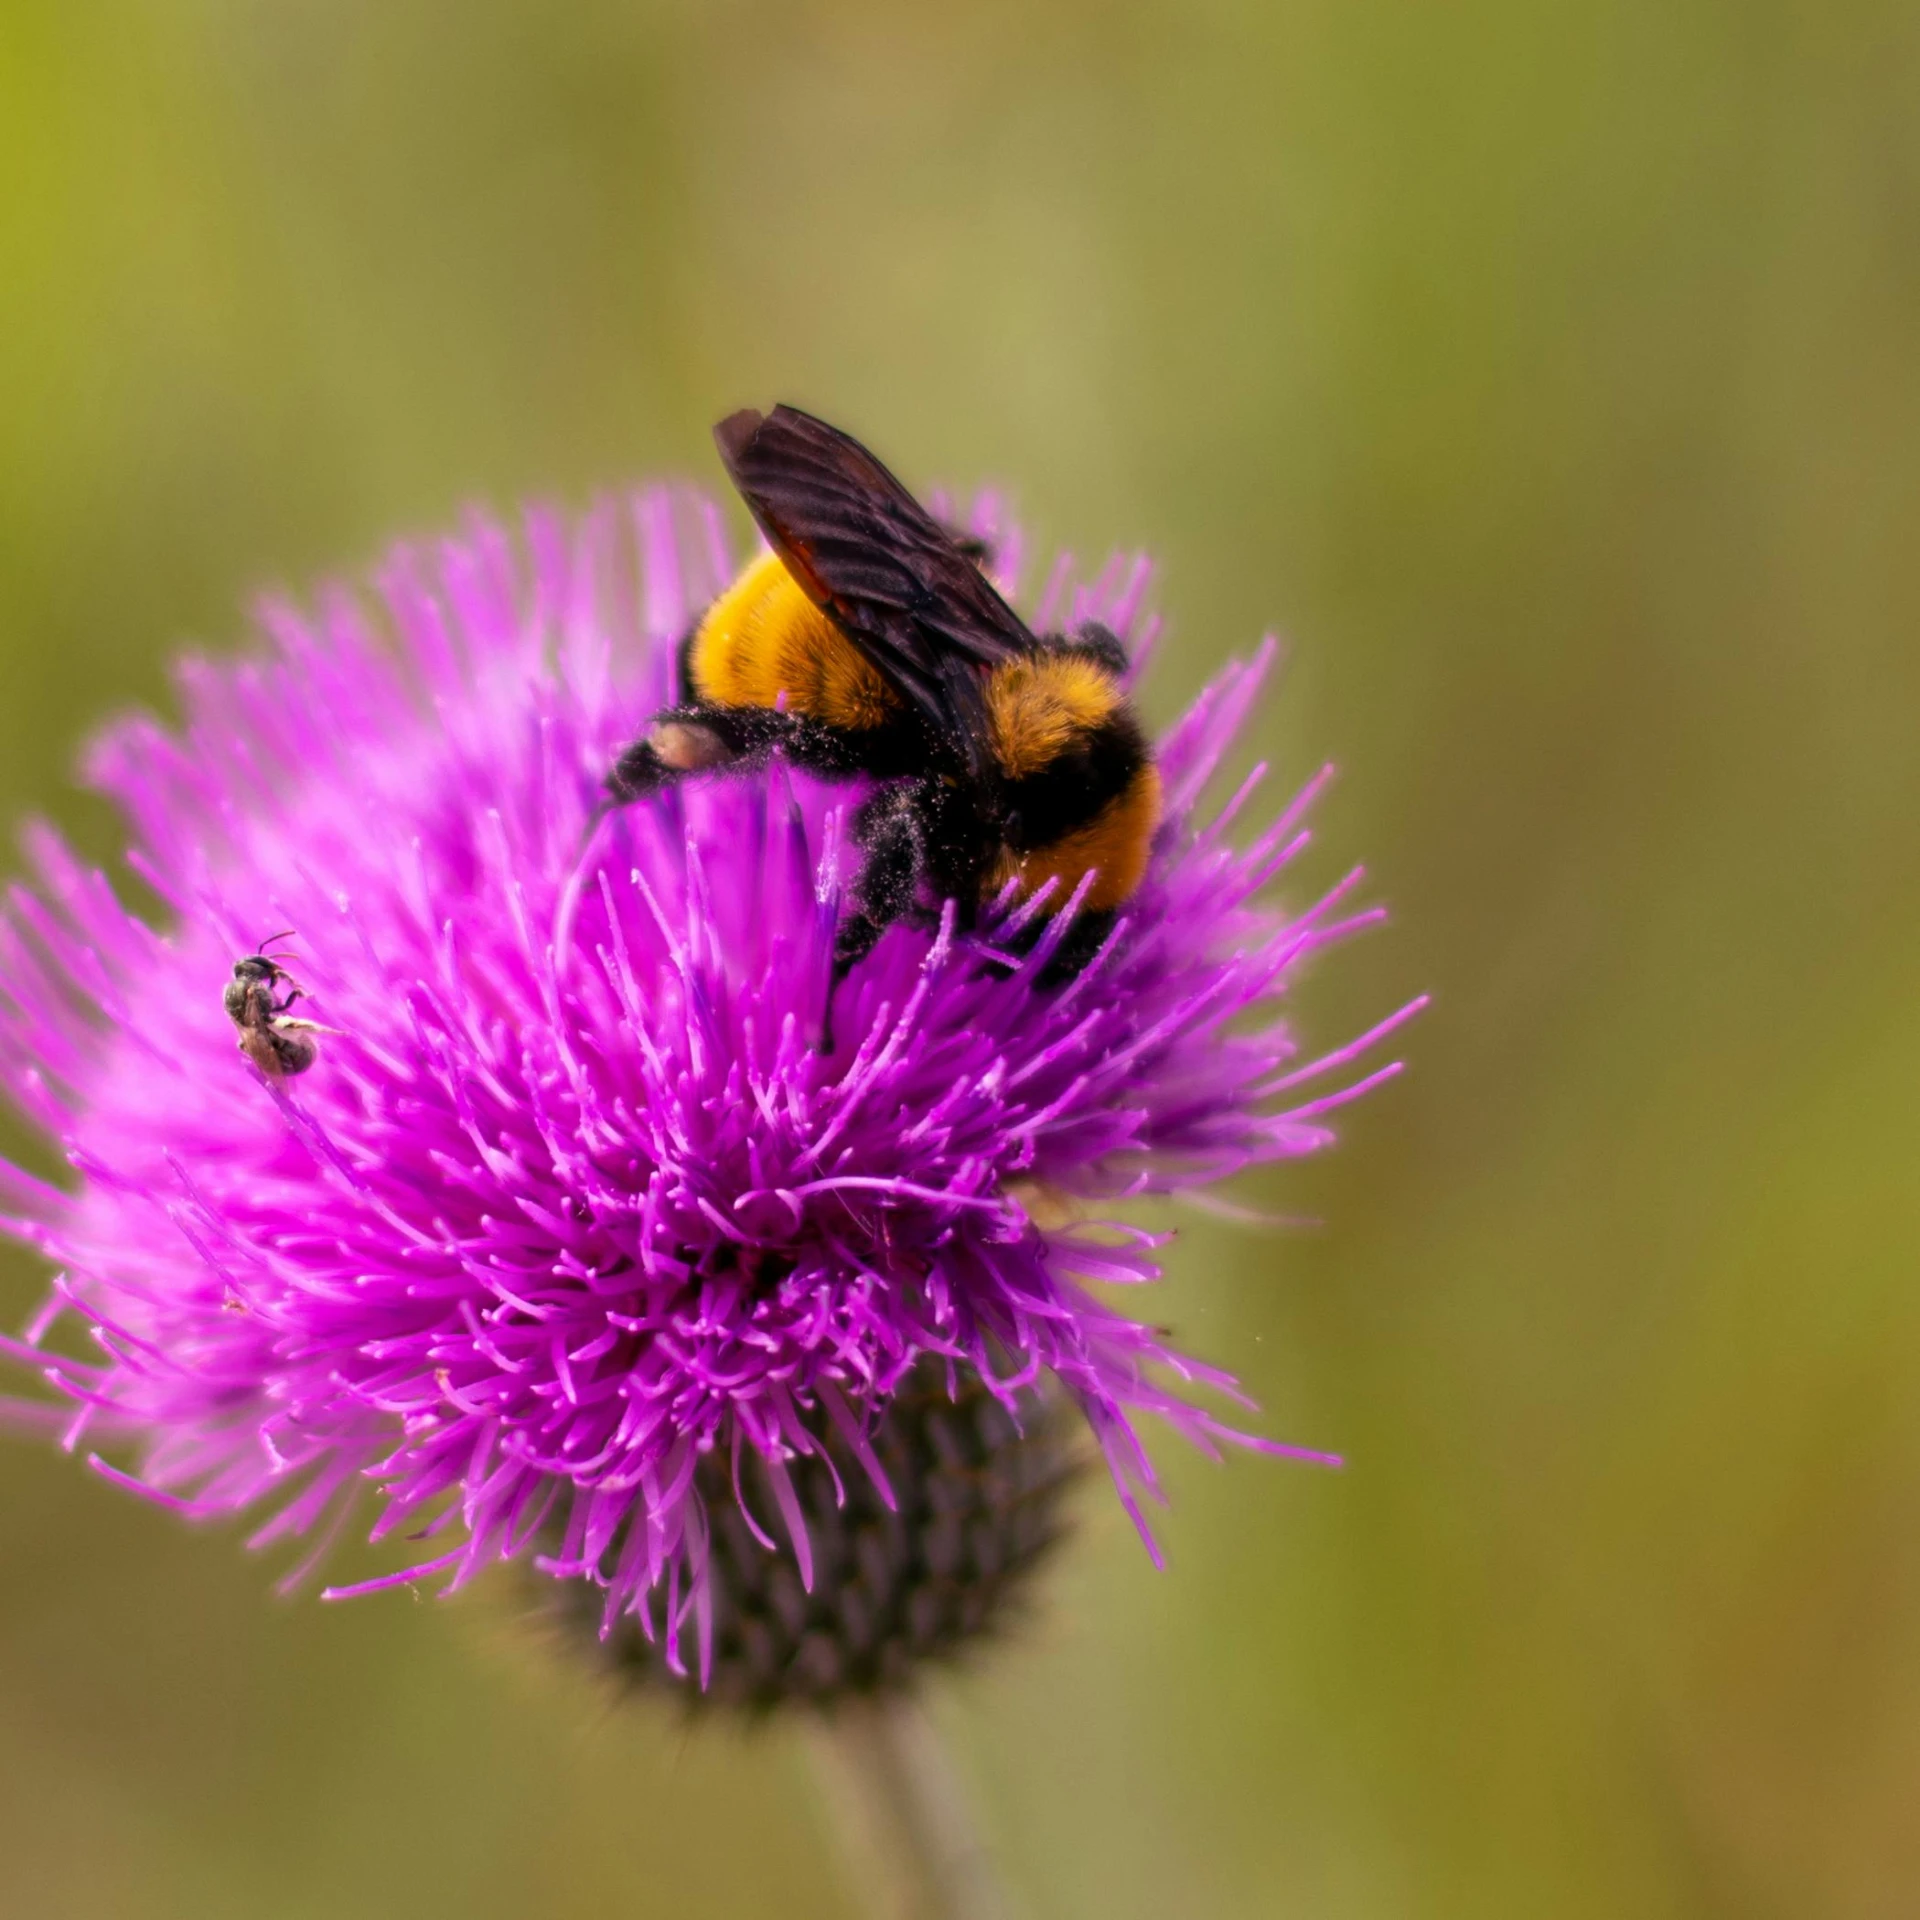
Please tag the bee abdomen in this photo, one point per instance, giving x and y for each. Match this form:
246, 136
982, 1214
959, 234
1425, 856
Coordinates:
1079, 790
764, 644
1088, 771
1114, 844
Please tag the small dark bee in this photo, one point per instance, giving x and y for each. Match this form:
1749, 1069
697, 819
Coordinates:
869, 642
272, 1038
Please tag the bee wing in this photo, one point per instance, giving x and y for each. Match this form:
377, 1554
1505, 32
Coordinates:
902, 588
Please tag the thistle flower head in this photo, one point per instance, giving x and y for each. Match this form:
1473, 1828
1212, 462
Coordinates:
917, 1566
573, 1235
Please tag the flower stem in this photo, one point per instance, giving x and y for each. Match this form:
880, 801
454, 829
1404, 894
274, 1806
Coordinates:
904, 1828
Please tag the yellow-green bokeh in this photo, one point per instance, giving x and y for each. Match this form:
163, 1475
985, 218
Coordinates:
1551, 376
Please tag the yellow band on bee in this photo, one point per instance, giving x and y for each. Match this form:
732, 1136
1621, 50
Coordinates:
764, 639
1038, 706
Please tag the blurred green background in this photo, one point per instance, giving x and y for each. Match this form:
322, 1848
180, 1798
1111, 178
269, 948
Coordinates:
1551, 374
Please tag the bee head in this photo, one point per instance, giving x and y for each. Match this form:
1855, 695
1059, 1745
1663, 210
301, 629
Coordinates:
261, 968
1101, 645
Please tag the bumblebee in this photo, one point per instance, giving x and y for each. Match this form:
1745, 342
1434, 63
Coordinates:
868, 643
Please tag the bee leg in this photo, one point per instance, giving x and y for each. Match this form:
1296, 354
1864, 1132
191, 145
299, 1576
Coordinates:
891, 834
698, 739
680, 741
636, 771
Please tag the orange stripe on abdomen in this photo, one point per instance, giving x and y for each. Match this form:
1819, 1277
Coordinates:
1116, 842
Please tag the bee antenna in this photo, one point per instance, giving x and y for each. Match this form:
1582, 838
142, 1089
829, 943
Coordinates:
285, 934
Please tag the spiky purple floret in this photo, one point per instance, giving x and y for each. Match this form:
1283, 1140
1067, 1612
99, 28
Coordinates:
574, 1196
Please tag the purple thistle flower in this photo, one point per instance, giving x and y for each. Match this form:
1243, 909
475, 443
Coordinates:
572, 1199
